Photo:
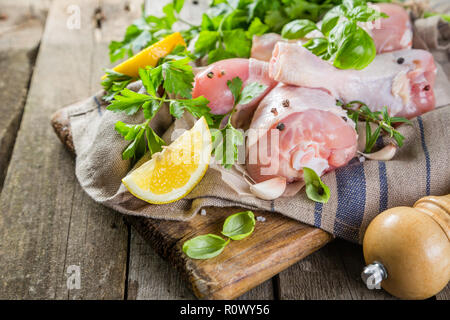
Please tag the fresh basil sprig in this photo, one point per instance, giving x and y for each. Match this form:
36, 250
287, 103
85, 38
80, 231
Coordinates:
344, 42
359, 111
236, 227
227, 140
316, 190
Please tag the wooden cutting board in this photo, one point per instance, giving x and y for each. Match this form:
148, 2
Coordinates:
276, 243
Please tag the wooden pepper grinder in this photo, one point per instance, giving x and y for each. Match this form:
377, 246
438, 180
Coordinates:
407, 250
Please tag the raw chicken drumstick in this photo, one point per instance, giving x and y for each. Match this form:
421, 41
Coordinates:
297, 127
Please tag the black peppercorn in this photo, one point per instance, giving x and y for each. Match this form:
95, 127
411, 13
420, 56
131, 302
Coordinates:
400, 60
210, 75
427, 87
281, 126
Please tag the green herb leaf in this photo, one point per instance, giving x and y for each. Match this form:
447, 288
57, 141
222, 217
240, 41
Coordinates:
128, 101
381, 119
205, 246
127, 131
154, 142
298, 29
225, 145
239, 225
206, 42
316, 190
178, 5
318, 46
198, 107
371, 138
114, 83
178, 77
331, 19
237, 43
257, 27
235, 86
134, 150
250, 92
356, 49
150, 108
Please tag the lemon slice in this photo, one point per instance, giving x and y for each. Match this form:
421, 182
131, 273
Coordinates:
149, 56
172, 173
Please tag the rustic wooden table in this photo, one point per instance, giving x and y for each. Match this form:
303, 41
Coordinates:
48, 59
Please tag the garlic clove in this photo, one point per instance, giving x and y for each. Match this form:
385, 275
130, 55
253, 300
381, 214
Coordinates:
385, 154
269, 189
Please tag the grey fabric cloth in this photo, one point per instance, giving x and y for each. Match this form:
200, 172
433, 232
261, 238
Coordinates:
359, 191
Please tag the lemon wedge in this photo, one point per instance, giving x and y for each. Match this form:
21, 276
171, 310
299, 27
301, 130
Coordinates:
149, 56
172, 173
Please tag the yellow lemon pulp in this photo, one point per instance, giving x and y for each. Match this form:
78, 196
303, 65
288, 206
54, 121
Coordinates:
149, 56
174, 172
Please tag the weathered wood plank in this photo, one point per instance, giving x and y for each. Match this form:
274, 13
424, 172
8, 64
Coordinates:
151, 277
47, 221
20, 33
331, 273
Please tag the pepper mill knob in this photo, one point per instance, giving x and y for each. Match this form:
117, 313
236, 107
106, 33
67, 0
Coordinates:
373, 275
408, 249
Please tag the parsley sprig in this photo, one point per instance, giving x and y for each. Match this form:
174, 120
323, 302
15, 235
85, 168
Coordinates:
358, 110
174, 74
114, 83
226, 140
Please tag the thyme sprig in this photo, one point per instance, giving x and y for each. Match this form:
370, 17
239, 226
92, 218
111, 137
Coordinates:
359, 111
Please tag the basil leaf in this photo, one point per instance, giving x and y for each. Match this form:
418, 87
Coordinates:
331, 19
251, 91
205, 246
318, 46
365, 14
239, 225
298, 29
316, 190
356, 51
350, 4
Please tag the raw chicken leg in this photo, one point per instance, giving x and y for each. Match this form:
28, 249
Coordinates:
401, 80
297, 127
393, 33
388, 34
212, 83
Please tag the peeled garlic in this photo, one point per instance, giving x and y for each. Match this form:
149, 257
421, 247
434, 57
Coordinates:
269, 189
385, 154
